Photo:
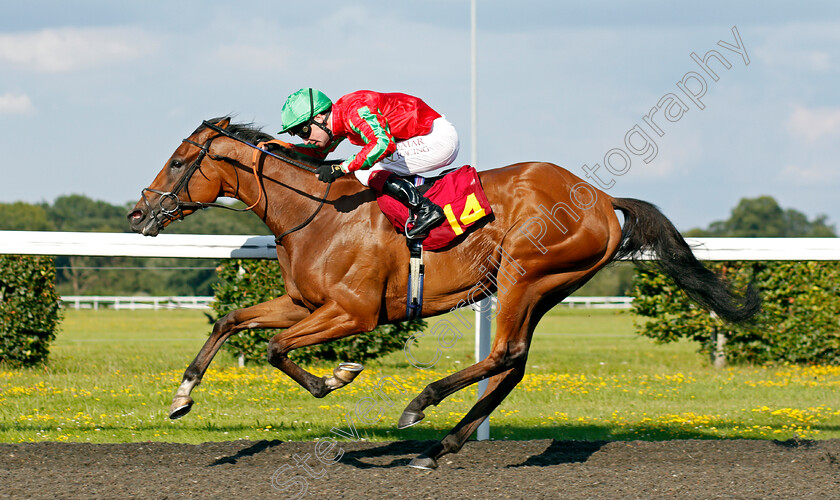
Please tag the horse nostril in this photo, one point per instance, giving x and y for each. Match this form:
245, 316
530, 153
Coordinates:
135, 215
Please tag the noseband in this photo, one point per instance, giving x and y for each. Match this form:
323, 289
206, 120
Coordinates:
162, 215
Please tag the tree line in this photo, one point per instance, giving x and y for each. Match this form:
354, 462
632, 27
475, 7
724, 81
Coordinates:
762, 217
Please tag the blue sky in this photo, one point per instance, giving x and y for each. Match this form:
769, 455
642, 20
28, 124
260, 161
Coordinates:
95, 95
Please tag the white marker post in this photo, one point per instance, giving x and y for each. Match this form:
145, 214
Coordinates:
482, 350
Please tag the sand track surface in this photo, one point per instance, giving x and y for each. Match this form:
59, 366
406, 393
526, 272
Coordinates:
489, 469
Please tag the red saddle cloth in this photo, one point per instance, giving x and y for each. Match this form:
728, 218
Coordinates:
460, 195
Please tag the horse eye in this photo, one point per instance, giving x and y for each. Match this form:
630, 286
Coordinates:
175, 164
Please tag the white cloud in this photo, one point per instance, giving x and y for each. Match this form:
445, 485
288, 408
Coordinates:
244, 57
68, 49
817, 61
15, 104
811, 124
820, 60
809, 175
798, 47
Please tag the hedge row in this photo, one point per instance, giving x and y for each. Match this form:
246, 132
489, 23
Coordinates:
30, 309
799, 321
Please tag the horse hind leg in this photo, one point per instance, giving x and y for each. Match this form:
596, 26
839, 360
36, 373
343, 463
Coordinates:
501, 359
498, 388
523, 304
510, 345
505, 364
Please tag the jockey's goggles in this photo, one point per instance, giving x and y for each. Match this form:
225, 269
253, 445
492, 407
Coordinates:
304, 130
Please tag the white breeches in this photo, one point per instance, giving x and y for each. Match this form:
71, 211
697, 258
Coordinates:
420, 154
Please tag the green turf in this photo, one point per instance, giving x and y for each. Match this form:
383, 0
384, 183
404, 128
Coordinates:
112, 374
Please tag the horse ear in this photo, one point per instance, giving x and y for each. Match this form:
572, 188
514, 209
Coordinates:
224, 123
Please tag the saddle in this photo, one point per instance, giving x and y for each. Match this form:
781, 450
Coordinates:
457, 191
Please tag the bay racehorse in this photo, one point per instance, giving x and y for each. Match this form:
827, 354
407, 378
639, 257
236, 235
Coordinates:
344, 265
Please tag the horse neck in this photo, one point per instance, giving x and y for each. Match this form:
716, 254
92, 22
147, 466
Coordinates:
284, 195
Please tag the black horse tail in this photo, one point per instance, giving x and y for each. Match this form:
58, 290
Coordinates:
647, 229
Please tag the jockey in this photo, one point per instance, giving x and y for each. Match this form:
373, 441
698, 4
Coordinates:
399, 134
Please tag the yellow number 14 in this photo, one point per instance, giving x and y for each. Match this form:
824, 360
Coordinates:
472, 212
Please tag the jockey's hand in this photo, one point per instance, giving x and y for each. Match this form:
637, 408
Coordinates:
329, 172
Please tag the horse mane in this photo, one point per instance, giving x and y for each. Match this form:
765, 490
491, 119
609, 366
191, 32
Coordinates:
252, 133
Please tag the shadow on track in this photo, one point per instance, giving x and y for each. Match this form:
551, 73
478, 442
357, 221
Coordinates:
563, 452
257, 447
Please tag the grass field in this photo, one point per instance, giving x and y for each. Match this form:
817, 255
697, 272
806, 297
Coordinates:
112, 374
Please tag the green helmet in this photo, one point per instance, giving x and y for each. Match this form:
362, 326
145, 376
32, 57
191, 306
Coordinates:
302, 106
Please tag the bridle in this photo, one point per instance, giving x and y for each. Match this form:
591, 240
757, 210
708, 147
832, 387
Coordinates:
162, 214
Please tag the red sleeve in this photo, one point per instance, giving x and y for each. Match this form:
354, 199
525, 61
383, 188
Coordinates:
372, 127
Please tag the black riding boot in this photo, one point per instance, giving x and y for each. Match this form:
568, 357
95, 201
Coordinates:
428, 215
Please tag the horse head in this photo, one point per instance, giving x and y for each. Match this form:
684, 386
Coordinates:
188, 181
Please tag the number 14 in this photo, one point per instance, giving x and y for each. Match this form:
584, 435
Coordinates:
472, 212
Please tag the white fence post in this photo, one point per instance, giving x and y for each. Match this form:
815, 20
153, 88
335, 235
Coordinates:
483, 327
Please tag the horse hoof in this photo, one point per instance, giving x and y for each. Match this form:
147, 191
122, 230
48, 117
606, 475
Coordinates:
180, 407
409, 418
423, 462
343, 375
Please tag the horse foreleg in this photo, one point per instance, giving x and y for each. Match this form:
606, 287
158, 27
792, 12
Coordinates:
327, 323
498, 387
277, 313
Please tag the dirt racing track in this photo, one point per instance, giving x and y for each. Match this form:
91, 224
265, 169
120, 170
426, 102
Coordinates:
489, 469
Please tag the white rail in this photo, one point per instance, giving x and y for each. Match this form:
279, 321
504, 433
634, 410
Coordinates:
96, 302
134, 303
135, 245
598, 302
262, 247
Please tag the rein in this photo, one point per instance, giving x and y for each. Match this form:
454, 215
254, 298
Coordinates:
177, 212
259, 147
